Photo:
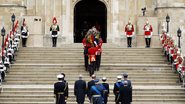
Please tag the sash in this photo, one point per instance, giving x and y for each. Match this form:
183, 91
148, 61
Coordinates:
103, 87
119, 85
96, 90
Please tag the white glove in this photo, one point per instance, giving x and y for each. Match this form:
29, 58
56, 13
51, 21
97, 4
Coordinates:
50, 32
125, 33
151, 33
58, 33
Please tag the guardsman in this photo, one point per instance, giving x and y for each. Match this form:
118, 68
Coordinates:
129, 32
116, 88
86, 47
96, 93
61, 90
24, 33
148, 31
92, 59
105, 87
99, 52
54, 29
90, 84
2, 71
80, 90
125, 93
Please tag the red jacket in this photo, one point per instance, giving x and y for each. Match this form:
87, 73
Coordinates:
148, 30
92, 53
129, 32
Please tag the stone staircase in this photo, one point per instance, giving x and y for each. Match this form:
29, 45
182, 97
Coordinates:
31, 78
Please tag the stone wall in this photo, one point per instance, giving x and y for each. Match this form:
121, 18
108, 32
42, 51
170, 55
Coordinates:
118, 12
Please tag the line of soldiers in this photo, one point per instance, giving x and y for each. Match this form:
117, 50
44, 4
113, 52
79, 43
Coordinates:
173, 54
97, 92
10, 47
92, 43
129, 32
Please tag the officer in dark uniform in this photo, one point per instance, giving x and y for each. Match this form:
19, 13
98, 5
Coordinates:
125, 76
80, 90
105, 87
96, 93
116, 88
125, 93
61, 90
90, 84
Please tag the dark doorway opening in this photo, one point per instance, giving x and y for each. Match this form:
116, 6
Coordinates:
88, 13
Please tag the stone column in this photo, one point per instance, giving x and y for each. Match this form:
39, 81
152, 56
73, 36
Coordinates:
115, 22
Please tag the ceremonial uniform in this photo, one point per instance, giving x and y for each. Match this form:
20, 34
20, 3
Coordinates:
92, 60
24, 33
54, 32
86, 47
98, 55
116, 88
80, 91
129, 32
96, 94
125, 94
61, 91
148, 31
2, 71
90, 84
105, 87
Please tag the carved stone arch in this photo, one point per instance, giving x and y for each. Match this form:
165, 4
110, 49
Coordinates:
106, 27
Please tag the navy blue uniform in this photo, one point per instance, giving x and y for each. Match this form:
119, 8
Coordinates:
96, 94
125, 94
61, 92
80, 91
105, 92
89, 85
117, 86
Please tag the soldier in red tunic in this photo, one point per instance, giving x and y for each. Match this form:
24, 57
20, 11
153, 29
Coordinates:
92, 59
148, 34
129, 32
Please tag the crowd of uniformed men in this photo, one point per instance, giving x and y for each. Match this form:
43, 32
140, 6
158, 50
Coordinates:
10, 47
173, 54
96, 92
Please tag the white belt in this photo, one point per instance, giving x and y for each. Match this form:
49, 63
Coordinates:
96, 95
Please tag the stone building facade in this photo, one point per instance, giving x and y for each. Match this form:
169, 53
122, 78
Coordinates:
39, 14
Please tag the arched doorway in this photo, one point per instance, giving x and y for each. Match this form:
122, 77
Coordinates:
88, 13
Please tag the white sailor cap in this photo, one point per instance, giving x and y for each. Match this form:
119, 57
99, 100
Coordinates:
119, 77
60, 76
104, 78
93, 76
80, 76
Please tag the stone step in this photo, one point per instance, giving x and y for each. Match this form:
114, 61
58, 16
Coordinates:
138, 102
81, 62
72, 82
112, 100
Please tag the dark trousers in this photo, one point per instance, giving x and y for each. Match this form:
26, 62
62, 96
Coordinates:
129, 41
148, 41
98, 62
86, 62
91, 68
54, 41
24, 40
